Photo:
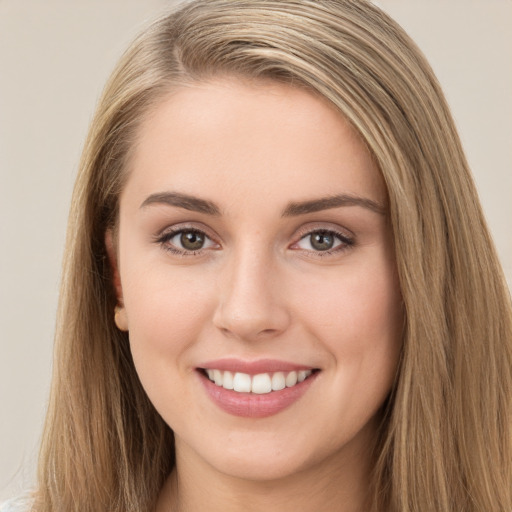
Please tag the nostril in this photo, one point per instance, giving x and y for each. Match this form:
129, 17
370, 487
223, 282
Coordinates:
246, 334
268, 331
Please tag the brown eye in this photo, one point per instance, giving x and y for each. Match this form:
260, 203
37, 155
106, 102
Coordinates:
192, 240
322, 240
187, 242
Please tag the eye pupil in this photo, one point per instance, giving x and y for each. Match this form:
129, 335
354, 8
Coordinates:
192, 240
322, 241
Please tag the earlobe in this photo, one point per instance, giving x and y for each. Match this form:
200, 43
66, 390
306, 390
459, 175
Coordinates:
120, 318
119, 312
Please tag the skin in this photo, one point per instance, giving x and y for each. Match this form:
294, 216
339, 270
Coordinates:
259, 289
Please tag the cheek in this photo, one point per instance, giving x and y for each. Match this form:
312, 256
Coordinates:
358, 320
362, 304
357, 316
166, 311
166, 314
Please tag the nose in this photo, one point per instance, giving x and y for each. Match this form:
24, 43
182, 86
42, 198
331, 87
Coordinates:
251, 305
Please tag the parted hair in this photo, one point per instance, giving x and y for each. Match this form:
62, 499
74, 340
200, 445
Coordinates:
445, 443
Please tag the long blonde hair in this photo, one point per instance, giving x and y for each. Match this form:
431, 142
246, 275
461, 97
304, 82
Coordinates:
446, 440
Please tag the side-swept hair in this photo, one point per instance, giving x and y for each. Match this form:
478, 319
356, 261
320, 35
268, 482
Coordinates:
446, 440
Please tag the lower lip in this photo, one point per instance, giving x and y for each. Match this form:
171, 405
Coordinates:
252, 405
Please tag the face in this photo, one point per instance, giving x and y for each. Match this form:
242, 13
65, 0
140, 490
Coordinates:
257, 278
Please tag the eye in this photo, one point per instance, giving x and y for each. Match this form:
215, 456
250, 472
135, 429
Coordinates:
190, 240
186, 241
323, 241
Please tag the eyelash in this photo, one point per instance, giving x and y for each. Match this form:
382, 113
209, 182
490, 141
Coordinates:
164, 239
345, 244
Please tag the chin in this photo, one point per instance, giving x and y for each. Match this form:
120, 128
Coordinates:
259, 468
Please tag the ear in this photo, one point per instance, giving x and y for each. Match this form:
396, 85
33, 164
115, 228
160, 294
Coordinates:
120, 311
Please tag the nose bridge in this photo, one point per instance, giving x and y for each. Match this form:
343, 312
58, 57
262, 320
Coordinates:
249, 305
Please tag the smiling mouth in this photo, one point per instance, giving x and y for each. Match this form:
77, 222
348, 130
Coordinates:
260, 384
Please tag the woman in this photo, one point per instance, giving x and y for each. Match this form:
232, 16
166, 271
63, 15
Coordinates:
279, 288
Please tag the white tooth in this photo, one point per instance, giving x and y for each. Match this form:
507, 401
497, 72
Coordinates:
228, 380
217, 377
291, 379
242, 383
278, 381
301, 376
210, 374
308, 373
261, 384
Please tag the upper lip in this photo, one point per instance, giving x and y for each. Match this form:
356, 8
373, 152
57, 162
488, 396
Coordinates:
253, 367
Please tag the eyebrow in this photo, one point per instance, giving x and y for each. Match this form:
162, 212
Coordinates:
326, 203
293, 209
194, 204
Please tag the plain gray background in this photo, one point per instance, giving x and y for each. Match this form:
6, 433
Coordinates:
54, 59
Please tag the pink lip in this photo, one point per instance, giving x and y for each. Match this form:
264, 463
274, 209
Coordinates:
251, 405
253, 367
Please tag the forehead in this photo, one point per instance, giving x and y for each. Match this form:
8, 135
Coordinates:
229, 136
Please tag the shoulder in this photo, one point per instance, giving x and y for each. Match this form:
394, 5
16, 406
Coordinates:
21, 504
